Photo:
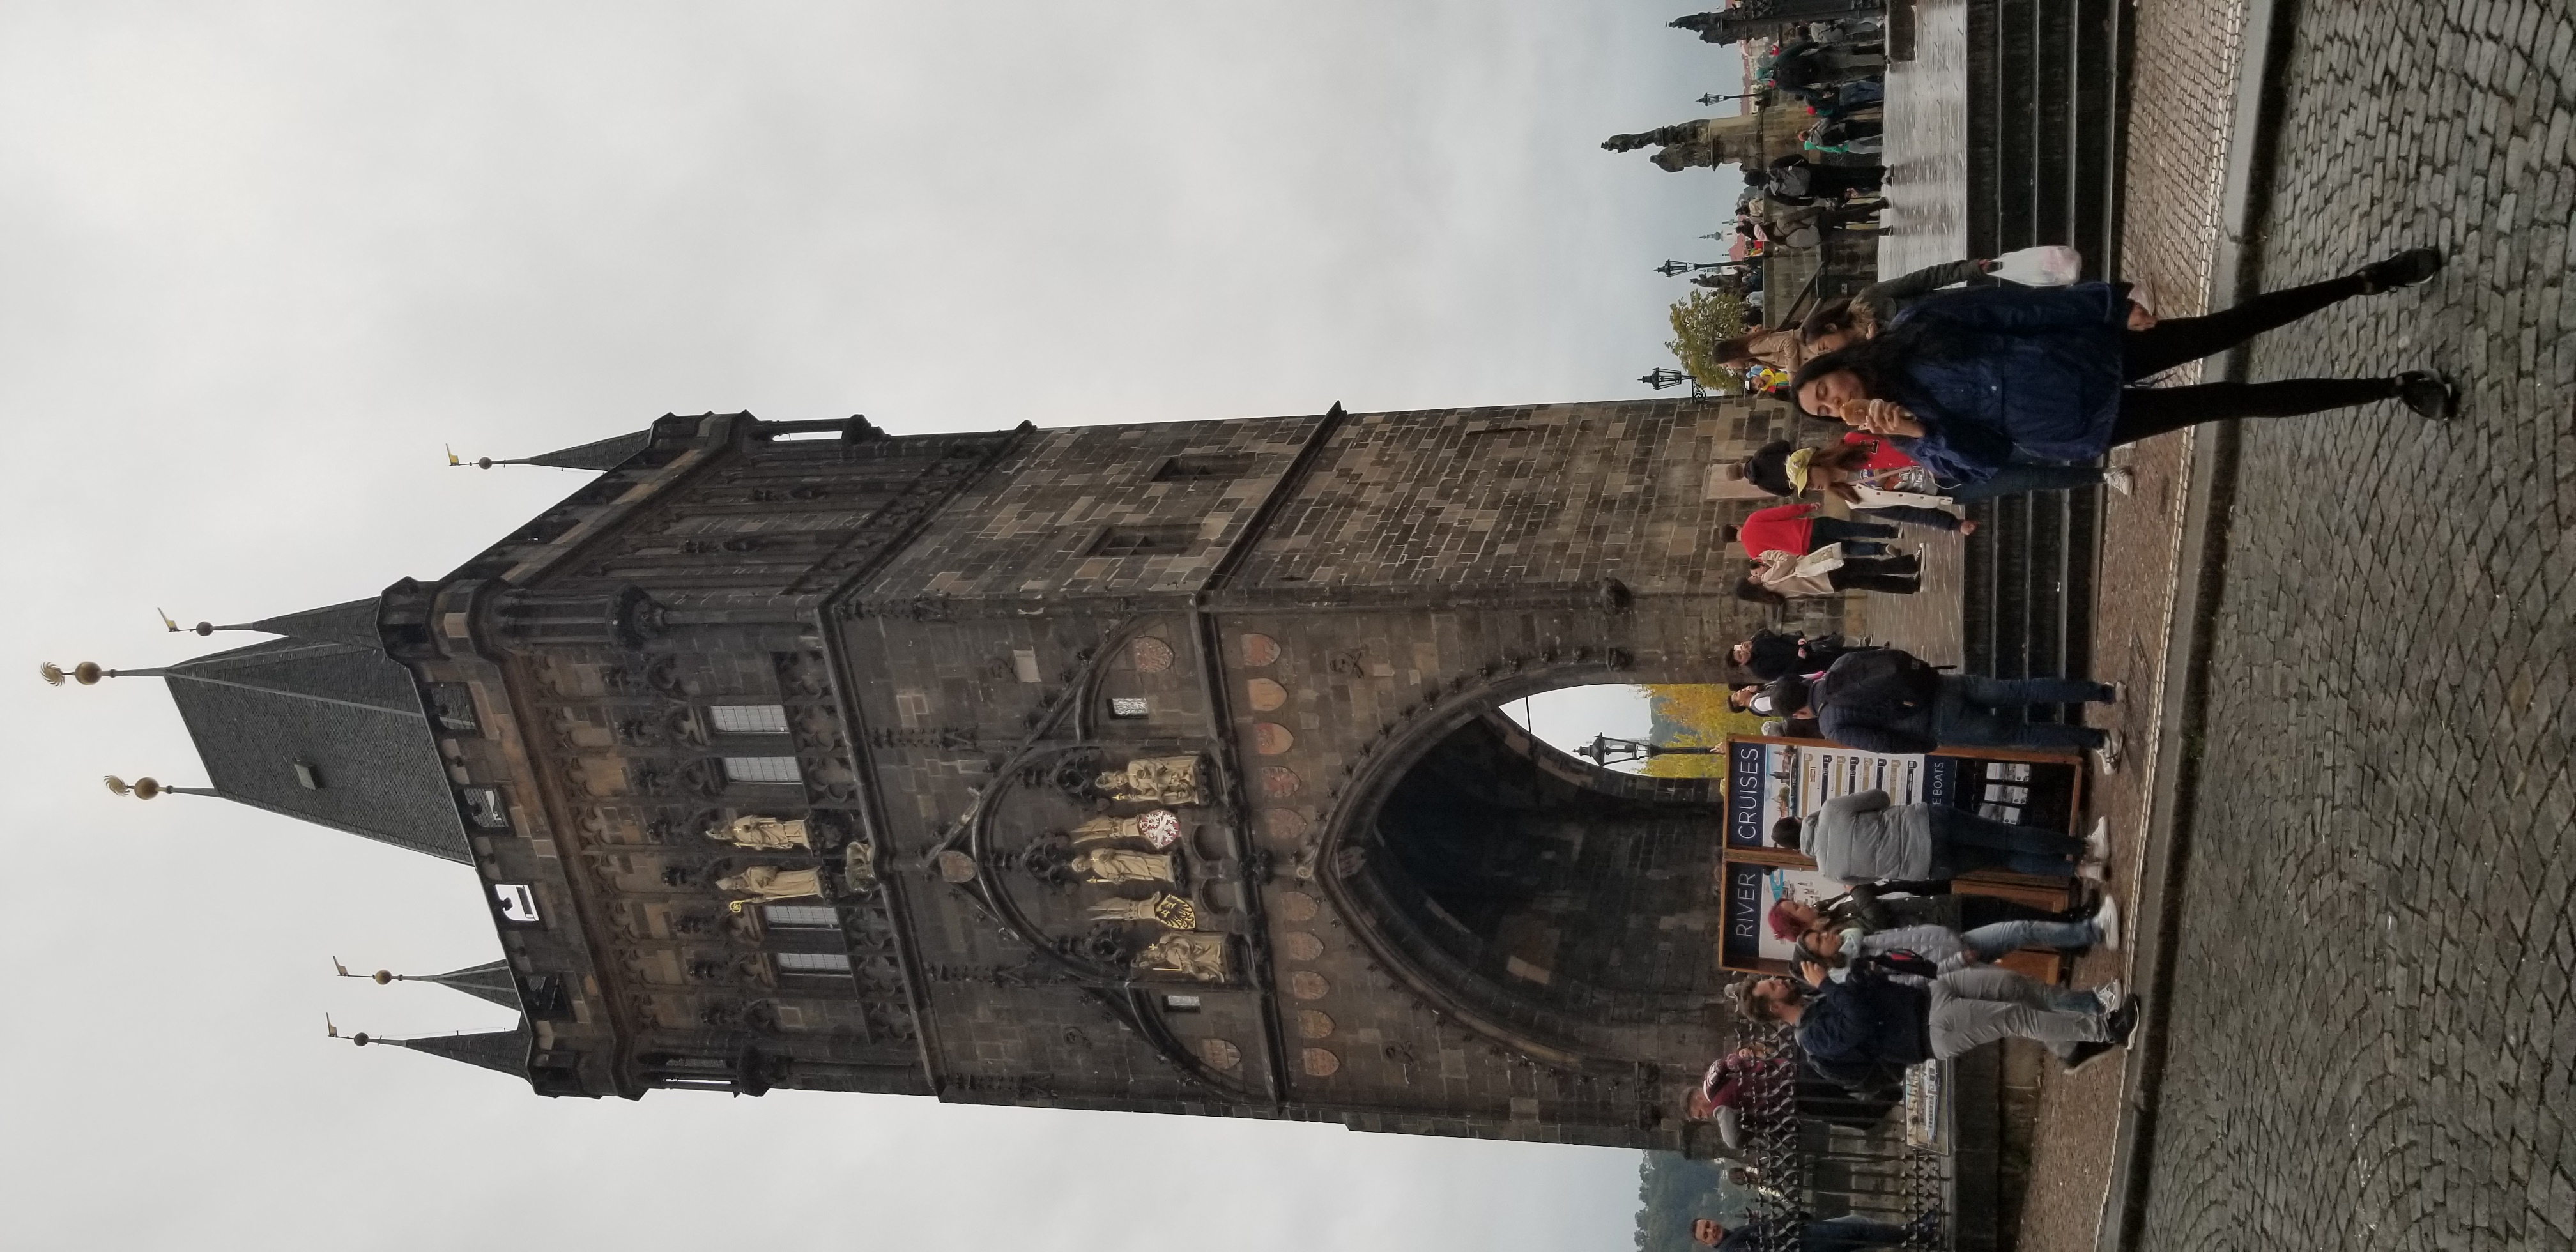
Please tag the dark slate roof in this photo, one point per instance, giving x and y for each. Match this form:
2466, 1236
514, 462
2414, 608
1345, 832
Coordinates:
504, 1050
489, 980
349, 713
607, 454
353, 623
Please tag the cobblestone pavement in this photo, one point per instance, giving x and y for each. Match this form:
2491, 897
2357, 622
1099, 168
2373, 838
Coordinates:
2182, 91
2373, 1038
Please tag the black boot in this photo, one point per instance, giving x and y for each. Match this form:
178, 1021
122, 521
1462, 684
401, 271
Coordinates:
2405, 269
2432, 395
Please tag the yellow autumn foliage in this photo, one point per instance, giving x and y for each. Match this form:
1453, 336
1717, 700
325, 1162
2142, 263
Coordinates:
1699, 717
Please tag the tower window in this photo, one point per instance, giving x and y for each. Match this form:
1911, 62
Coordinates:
1142, 541
749, 719
762, 769
800, 916
1201, 469
1130, 706
824, 963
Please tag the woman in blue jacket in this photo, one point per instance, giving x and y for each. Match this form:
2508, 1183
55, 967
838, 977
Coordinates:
1971, 382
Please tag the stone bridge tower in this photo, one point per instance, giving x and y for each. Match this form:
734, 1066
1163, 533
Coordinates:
1149, 767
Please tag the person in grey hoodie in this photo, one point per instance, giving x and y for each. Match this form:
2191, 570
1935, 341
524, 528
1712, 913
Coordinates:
1862, 837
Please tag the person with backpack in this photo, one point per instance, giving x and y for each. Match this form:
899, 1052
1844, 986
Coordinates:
1865, 1030
1897, 902
1772, 654
1886, 700
1863, 837
1943, 949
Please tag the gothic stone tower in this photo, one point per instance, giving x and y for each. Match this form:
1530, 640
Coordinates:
1154, 767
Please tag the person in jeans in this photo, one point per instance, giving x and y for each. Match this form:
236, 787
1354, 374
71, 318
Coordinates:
1865, 1030
1887, 905
1886, 700
1797, 530
1842, 951
1861, 837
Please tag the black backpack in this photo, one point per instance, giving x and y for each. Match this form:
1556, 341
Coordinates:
1881, 685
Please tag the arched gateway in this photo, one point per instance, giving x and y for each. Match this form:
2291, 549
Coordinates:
1138, 767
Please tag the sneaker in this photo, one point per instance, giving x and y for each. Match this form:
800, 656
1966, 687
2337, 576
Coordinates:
2106, 919
2081, 1055
2405, 269
2108, 755
2097, 842
2094, 871
2121, 480
2432, 395
2108, 995
2125, 1019
2119, 692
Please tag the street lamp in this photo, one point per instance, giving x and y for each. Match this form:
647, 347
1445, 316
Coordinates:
1605, 751
1664, 377
1741, 95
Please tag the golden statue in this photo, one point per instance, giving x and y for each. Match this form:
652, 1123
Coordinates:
1155, 780
1120, 865
769, 882
767, 833
1161, 908
1159, 827
1201, 954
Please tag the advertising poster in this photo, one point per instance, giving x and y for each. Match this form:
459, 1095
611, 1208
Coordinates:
1751, 890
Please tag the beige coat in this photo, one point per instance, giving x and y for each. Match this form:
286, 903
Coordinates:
1787, 573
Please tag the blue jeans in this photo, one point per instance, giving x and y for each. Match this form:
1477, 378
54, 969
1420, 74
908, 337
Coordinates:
1967, 712
2016, 478
1964, 843
1843, 1234
1989, 942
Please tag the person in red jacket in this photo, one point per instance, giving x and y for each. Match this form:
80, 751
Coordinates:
1798, 529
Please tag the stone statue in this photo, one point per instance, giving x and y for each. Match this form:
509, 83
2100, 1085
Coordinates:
858, 864
1201, 954
1159, 827
767, 833
769, 882
1119, 865
1156, 780
1707, 143
1161, 908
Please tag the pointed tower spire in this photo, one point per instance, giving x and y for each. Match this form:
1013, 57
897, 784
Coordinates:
488, 981
604, 454
502, 1050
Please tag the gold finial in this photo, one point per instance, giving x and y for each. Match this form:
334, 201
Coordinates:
331, 1029
87, 673
140, 788
480, 462
170, 624
380, 977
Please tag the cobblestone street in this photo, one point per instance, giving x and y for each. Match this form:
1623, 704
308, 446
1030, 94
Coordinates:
2373, 1042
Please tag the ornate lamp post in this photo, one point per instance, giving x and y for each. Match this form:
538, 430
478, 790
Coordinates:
1605, 751
1663, 377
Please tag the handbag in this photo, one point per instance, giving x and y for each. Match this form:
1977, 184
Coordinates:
2048, 265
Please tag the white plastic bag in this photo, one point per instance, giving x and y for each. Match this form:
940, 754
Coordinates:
2048, 265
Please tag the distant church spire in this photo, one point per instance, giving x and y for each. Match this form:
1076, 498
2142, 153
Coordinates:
604, 454
502, 1050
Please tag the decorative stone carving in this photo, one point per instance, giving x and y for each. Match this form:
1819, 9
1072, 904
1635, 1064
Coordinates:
1263, 694
1151, 654
956, 867
1120, 865
1314, 1024
1297, 906
1284, 827
766, 833
1220, 1055
1271, 738
1160, 828
770, 882
1259, 650
1306, 984
1278, 782
1201, 954
858, 865
1161, 908
1319, 1062
1301, 945
1155, 780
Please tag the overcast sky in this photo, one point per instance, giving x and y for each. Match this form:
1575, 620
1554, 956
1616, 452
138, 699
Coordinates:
258, 263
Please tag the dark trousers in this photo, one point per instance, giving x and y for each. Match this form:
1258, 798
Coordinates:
1895, 575
1827, 530
1979, 712
2151, 411
1848, 1234
1963, 843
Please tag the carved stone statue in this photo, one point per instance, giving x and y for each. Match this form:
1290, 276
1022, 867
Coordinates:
768, 833
1120, 865
858, 864
1709, 142
769, 882
1161, 908
1156, 780
1159, 827
1201, 954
